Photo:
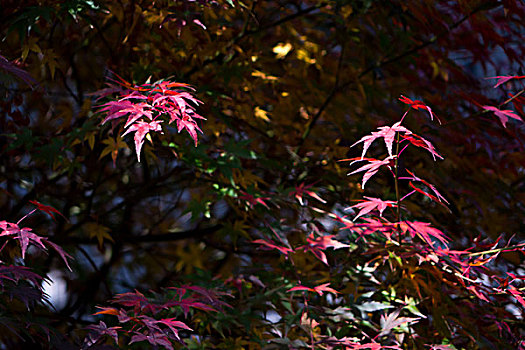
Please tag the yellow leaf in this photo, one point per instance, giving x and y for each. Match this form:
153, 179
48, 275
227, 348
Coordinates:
113, 146
75, 142
259, 74
98, 231
86, 108
49, 58
190, 257
91, 140
262, 114
281, 50
303, 55
30, 46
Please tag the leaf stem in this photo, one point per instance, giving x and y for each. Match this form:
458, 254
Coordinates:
396, 184
497, 250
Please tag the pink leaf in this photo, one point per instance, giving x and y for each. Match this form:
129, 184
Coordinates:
442, 347
517, 294
61, 252
324, 288
159, 100
136, 111
190, 125
387, 133
141, 130
324, 242
503, 115
199, 23
426, 183
271, 245
478, 292
25, 237
424, 231
252, 200
302, 190
372, 203
320, 289
502, 79
115, 109
371, 168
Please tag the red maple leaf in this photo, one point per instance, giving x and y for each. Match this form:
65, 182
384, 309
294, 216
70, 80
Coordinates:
503, 115
370, 204
272, 245
388, 133
424, 231
320, 289
47, 209
317, 245
155, 101
303, 189
101, 330
190, 125
25, 236
436, 198
141, 130
136, 111
154, 338
15, 273
419, 141
371, 168
502, 79
417, 104
252, 200
518, 294
115, 109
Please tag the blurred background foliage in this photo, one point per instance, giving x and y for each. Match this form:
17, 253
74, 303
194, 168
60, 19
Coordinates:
287, 87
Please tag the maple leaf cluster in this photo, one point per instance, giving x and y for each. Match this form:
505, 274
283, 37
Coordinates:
25, 237
146, 106
139, 315
18, 280
467, 268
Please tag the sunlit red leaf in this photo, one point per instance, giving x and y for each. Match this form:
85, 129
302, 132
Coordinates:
438, 196
424, 231
503, 115
141, 130
370, 204
371, 168
302, 190
419, 141
272, 245
502, 79
388, 133
417, 104
518, 294
325, 242
320, 289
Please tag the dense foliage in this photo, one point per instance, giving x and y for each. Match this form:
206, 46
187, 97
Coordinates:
173, 174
